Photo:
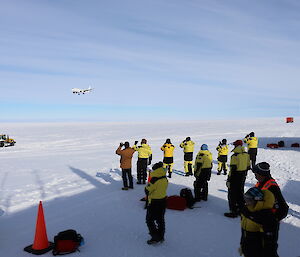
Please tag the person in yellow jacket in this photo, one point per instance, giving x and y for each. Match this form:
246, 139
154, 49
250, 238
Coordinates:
222, 149
188, 149
254, 239
144, 159
168, 149
252, 143
202, 173
156, 192
239, 166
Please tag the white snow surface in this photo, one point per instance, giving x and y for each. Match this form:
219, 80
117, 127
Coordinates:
57, 164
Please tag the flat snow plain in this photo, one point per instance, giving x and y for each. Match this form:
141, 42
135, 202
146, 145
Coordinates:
57, 163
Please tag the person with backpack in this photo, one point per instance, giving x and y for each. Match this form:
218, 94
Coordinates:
202, 173
188, 149
144, 159
168, 149
239, 166
125, 164
156, 192
254, 240
280, 207
252, 143
222, 149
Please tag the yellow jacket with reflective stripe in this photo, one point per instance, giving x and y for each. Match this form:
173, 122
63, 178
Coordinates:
222, 150
267, 203
205, 158
168, 150
188, 146
240, 160
144, 150
252, 142
157, 189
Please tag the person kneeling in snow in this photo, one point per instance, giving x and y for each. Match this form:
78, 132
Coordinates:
156, 192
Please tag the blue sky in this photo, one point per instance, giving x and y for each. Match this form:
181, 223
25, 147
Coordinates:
149, 60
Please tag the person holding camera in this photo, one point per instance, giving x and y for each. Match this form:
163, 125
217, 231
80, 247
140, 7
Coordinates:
255, 239
168, 149
125, 164
202, 173
188, 149
222, 149
252, 143
239, 166
144, 159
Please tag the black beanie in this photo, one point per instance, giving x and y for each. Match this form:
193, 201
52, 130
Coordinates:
262, 168
251, 134
157, 165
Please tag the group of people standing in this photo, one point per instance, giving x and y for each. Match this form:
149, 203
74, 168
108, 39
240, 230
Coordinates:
261, 208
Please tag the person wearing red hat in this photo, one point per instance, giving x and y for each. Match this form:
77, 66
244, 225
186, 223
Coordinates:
239, 166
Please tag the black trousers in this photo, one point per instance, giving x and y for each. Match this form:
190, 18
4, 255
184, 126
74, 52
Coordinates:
142, 169
252, 152
252, 244
236, 190
155, 218
126, 173
201, 184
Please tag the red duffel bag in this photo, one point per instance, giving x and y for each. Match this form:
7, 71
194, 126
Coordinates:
176, 202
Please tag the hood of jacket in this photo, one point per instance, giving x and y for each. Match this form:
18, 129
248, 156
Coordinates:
160, 172
239, 149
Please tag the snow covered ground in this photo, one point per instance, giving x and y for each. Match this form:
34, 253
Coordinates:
57, 163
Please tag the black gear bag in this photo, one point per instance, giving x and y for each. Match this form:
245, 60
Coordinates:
66, 242
188, 195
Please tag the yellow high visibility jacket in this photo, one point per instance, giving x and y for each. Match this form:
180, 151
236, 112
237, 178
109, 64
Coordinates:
188, 146
222, 150
168, 150
240, 160
267, 203
205, 158
157, 188
252, 142
144, 150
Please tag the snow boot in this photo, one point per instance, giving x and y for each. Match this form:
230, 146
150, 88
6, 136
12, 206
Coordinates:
219, 172
139, 182
124, 188
170, 175
153, 241
225, 172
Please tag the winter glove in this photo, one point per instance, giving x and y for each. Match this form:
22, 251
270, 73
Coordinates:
228, 184
135, 142
208, 177
150, 159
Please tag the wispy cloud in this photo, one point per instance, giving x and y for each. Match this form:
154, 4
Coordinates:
153, 53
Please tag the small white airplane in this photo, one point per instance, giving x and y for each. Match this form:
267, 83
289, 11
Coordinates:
79, 91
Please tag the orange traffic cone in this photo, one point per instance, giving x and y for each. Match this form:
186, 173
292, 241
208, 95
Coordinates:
41, 244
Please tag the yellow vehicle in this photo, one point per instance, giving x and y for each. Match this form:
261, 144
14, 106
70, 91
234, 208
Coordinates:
6, 141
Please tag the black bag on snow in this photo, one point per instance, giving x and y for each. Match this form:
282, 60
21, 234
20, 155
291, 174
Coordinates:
66, 242
188, 195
